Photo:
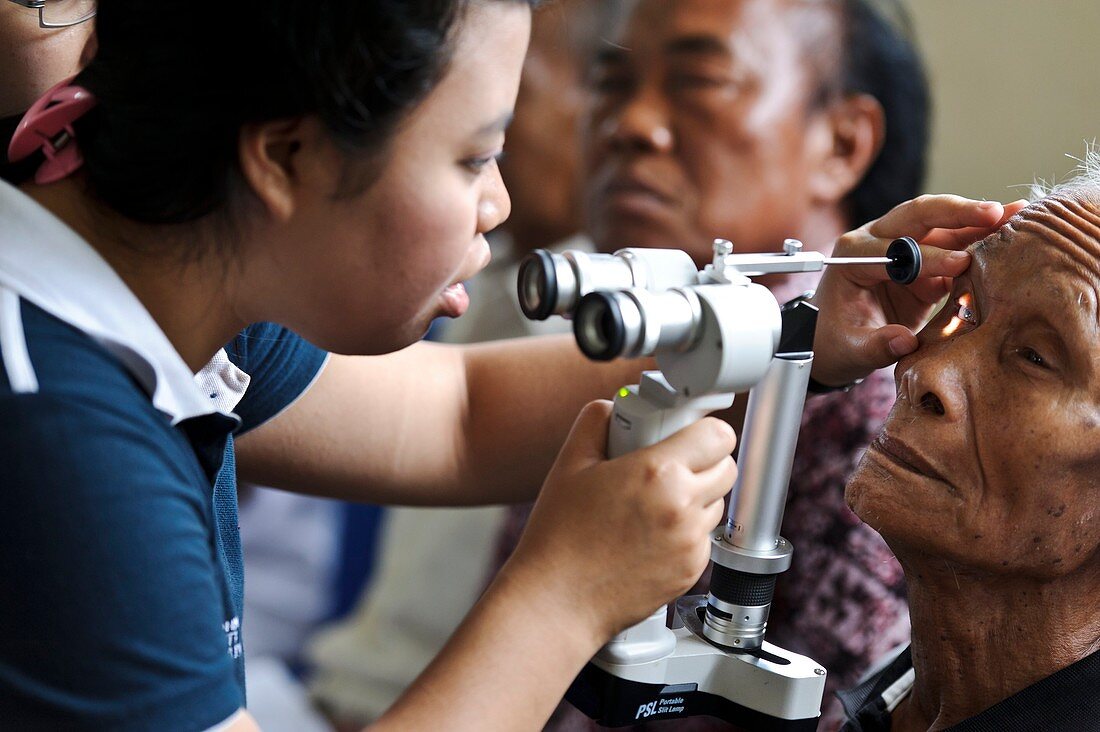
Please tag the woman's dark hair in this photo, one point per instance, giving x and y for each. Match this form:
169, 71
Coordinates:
879, 58
176, 81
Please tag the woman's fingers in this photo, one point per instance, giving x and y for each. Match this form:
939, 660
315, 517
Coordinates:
930, 291
957, 238
716, 481
935, 262
921, 216
889, 343
699, 446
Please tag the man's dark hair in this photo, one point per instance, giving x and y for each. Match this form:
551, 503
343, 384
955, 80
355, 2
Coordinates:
176, 80
879, 57
867, 47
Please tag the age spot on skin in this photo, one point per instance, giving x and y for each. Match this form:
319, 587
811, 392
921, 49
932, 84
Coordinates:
1057, 512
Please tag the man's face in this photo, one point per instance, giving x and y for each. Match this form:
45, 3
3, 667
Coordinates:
991, 456
699, 128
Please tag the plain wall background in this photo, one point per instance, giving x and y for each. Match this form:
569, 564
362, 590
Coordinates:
1016, 86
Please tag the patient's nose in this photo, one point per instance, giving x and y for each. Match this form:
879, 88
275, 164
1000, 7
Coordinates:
929, 402
933, 384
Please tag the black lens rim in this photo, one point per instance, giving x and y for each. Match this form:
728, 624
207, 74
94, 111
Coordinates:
547, 272
608, 307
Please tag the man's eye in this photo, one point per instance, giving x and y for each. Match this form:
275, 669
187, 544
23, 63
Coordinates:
697, 81
611, 83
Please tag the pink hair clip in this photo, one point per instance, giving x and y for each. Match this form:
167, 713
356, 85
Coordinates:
48, 126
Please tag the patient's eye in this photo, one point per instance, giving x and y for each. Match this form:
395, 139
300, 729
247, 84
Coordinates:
1033, 357
964, 314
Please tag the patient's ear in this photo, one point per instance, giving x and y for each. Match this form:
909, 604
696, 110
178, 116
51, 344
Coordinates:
854, 129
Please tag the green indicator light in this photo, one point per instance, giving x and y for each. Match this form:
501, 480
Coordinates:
624, 392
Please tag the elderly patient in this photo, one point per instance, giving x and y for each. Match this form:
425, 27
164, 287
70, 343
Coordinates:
985, 482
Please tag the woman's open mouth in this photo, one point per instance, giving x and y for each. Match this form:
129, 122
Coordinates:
454, 301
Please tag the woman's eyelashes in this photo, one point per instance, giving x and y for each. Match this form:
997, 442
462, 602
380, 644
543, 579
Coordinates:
481, 162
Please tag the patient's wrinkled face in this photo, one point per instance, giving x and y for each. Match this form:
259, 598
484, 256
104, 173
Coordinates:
991, 456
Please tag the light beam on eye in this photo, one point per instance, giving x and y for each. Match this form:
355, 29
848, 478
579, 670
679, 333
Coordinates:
956, 321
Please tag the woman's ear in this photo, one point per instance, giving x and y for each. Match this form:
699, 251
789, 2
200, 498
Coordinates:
268, 157
855, 129
288, 162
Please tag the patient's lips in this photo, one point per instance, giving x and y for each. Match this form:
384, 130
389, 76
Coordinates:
904, 456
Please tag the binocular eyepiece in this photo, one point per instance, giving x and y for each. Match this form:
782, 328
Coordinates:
610, 324
553, 284
629, 303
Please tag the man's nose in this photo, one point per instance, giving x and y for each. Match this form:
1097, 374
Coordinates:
933, 384
641, 124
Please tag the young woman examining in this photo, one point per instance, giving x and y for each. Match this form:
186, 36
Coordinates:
329, 167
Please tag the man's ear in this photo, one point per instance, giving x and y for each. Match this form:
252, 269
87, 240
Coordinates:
855, 129
283, 161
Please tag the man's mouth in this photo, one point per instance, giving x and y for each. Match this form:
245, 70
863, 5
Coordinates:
635, 194
904, 456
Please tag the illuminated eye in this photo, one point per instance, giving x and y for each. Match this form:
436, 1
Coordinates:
965, 314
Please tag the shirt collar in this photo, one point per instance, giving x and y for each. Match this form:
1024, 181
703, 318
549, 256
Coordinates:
48, 264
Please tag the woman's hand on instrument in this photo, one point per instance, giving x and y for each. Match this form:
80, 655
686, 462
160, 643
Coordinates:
616, 539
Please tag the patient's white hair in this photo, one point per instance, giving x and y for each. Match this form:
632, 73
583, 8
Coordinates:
1084, 183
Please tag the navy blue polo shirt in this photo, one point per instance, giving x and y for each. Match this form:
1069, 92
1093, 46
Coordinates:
119, 552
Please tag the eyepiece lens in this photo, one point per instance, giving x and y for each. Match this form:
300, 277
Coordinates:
598, 326
538, 285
